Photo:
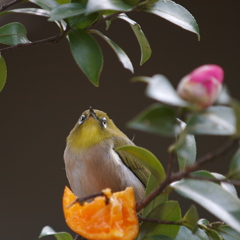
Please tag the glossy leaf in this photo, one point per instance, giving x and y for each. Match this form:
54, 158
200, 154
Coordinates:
63, 1
161, 198
160, 89
82, 21
13, 34
191, 219
159, 237
87, 54
228, 186
228, 233
122, 56
95, 6
176, 14
212, 197
236, 108
48, 231
186, 148
169, 211
3, 73
45, 4
212, 233
32, 11
66, 11
142, 40
216, 120
186, 234
147, 159
157, 119
234, 168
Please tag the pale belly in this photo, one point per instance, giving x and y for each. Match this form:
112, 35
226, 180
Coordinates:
92, 171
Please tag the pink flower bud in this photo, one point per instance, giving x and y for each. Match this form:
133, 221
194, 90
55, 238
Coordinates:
202, 86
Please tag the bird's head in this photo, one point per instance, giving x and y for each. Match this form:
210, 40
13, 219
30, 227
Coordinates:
92, 128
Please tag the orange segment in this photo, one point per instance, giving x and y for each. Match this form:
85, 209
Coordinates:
97, 221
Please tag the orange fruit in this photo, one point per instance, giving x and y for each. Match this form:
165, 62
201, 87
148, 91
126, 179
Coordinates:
97, 220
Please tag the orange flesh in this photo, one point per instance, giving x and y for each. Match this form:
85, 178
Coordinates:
97, 221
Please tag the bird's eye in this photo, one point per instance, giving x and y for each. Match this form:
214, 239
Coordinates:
104, 122
81, 120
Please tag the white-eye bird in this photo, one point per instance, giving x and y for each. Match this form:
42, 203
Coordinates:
92, 162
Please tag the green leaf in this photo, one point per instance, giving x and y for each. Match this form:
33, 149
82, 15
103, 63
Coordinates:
176, 14
234, 168
142, 40
87, 54
82, 21
63, 1
169, 211
185, 234
32, 11
13, 34
212, 234
157, 119
228, 233
147, 159
186, 148
191, 219
217, 120
213, 197
160, 89
159, 237
66, 11
161, 198
45, 4
3, 73
48, 231
228, 186
95, 6
236, 108
122, 56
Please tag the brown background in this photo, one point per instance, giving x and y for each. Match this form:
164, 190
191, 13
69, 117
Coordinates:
46, 92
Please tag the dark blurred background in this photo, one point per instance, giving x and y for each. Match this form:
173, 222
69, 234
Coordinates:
46, 93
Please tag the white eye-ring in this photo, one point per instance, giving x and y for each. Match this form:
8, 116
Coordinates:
104, 122
81, 120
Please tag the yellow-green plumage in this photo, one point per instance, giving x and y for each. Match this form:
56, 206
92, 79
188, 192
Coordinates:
92, 163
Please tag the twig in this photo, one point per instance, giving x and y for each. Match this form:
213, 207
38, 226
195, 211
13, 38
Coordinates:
84, 199
78, 237
7, 5
50, 40
142, 219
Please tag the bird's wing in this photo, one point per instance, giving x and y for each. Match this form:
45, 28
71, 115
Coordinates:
139, 170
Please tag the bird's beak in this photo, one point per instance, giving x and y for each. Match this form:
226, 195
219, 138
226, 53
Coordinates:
92, 113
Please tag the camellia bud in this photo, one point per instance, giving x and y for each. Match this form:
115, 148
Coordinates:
202, 86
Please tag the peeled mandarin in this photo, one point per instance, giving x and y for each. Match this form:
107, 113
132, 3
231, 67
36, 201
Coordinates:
97, 220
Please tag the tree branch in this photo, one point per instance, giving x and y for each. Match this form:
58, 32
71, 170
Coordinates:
7, 5
50, 40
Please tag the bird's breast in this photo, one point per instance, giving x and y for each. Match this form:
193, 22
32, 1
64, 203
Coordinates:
99, 167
